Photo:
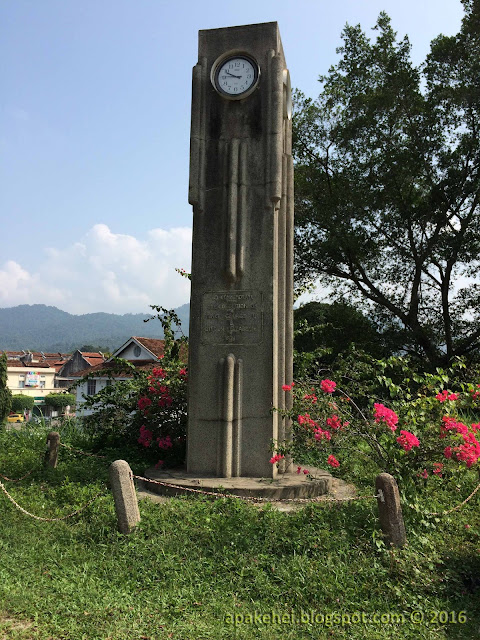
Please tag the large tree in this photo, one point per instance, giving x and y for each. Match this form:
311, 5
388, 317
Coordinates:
387, 185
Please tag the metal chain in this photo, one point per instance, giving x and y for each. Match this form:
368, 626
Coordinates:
84, 453
251, 498
459, 506
18, 479
2, 487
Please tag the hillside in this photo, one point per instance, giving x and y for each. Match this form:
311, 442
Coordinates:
42, 328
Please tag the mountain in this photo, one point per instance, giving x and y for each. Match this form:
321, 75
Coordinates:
41, 328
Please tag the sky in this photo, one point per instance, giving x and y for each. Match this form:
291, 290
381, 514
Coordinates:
94, 133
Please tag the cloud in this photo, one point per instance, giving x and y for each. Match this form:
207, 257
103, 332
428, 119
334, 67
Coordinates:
105, 271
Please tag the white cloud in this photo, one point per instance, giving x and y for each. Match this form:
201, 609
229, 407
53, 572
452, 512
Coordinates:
105, 271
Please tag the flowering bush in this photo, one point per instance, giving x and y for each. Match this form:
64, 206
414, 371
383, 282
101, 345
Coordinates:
420, 433
150, 406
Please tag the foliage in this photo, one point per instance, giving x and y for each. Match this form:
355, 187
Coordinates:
388, 186
430, 425
60, 400
79, 578
5, 393
22, 402
149, 406
334, 328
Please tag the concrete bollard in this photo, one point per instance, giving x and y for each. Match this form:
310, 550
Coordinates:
51, 454
124, 496
390, 509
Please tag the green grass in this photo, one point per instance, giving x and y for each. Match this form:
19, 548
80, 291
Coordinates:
193, 563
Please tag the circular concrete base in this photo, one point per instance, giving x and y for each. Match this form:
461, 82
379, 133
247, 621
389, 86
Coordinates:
284, 487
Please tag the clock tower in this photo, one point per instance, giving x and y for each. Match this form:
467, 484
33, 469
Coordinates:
241, 310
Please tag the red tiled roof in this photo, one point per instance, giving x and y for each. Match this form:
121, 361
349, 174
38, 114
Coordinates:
93, 358
28, 365
144, 365
157, 347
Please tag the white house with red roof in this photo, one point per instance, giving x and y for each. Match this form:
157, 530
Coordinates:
143, 353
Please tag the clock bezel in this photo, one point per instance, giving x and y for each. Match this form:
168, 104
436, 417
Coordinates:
219, 62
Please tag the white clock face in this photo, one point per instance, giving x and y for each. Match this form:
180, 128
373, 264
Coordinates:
236, 76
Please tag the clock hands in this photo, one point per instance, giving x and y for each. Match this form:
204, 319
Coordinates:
231, 74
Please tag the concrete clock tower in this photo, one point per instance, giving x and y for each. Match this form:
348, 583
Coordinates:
241, 313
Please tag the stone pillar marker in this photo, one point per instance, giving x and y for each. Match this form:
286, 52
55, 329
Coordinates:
51, 453
390, 509
124, 496
241, 309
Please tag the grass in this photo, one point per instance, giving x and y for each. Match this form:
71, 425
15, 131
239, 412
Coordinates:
193, 564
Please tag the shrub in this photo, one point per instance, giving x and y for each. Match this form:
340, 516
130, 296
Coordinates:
21, 402
60, 400
428, 427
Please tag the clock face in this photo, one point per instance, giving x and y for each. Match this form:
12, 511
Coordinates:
236, 76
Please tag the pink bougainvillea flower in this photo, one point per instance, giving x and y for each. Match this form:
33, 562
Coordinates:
424, 474
158, 372
448, 452
386, 415
159, 464
446, 395
287, 387
307, 421
306, 472
165, 443
274, 459
332, 461
144, 402
450, 424
299, 469
335, 423
312, 397
328, 386
437, 468
475, 394
182, 372
408, 440
319, 434
146, 436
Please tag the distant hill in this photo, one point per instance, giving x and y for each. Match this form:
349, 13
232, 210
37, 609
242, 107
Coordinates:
41, 328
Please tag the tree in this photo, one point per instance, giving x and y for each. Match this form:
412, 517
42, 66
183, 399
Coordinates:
334, 327
5, 393
21, 402
59, 400
388, 186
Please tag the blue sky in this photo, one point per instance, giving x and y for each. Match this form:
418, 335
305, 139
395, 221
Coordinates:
94, 133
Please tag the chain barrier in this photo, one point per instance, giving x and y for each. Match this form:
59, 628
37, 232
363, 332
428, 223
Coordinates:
253, 498
457, 508
74, 513
84, 453
17, 479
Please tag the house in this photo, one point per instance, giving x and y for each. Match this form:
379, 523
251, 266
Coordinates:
35, 373
36, 379
143, 353
78, 361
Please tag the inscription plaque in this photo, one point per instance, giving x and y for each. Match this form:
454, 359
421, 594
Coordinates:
232, 317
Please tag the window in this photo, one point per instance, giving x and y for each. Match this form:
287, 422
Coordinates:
91, 387
136, 351
42, 382
21, 382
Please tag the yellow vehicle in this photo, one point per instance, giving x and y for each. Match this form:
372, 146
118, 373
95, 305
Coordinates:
15, 417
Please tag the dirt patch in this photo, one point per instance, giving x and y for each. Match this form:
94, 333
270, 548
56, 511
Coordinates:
9, 625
